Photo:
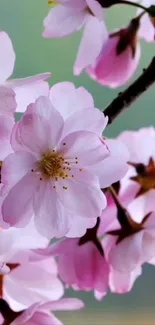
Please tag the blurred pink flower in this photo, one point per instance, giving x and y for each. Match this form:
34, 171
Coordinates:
147, 23
30, 279
133, 246
81, 262
119, 282
72, 15
139, 182
118, 58
25, 90
39, 313
50, 172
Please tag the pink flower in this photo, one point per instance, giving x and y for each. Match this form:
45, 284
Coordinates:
50, 172
139, 182
30, 279
147, 23
81, 262
72, 104
134, 248
118, 58
72, 15
26, 90
119, 282
39, 313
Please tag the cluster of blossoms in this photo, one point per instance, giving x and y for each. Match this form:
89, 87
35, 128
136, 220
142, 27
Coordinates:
61, 178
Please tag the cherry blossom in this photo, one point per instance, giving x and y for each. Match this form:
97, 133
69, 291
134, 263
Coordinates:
69, 16
139, 182
25, 279
134, 247
49, 171
25, 90
81, 262
118, 58
39, 313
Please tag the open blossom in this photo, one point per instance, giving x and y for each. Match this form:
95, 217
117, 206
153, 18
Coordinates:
21, 91
147, 23
49, 172
69, 16
38, 313
139, 182
81, 262
118, 58
134, 245
76, 135
26, 280
72, 103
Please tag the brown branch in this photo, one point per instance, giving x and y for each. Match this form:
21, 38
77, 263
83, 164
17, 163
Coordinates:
127, 97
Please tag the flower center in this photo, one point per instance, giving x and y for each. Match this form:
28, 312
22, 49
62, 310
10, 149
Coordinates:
51, 165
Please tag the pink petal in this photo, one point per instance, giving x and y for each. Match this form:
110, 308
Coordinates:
17, 206
146, 30
63, 20
28, 89
95, 121
16, 166
90, 46
142, 205
86, 146
6, 124
43, 123
148, 252
112, 169
26, 314
126, 255
95, 8
133, 140
7, 57
85, 255
34, 282
123, 282
68, 100
51, 219
64, 304
111, 69
83, 196
7, 101
80, 226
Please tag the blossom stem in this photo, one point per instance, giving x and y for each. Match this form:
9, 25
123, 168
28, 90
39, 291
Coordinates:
128, 96
133, 4
109, 3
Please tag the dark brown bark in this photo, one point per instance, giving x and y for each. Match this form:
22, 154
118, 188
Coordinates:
127, 97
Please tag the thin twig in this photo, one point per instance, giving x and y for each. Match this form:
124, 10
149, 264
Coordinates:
127, 97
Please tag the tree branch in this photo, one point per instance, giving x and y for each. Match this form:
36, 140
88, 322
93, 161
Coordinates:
127, 97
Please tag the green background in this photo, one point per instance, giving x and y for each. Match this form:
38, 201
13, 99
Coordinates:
23, 22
